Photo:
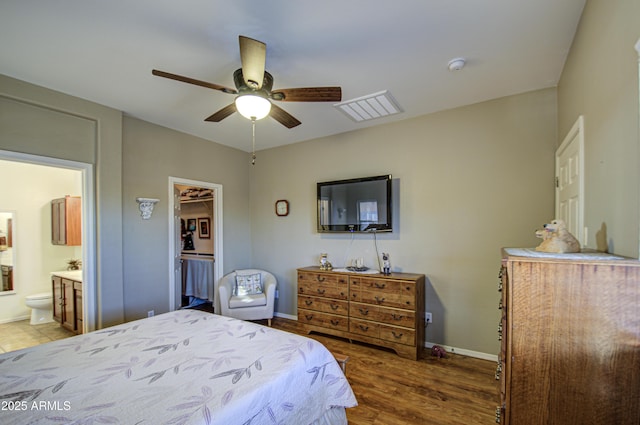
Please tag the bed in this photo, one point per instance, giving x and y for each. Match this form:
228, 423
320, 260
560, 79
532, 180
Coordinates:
182, 367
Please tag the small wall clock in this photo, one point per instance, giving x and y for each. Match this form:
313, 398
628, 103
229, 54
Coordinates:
282, 207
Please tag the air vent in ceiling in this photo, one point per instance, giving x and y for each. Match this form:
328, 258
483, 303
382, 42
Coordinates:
370, 107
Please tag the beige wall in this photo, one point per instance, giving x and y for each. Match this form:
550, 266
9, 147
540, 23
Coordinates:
470, 181
600, 81
150, 155
39, 121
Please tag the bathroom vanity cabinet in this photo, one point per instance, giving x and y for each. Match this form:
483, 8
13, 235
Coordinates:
66, 221
67, 303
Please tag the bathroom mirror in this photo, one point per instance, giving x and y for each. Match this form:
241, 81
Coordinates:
7, 252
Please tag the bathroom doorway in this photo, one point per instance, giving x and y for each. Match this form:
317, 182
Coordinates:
195, 232
31, 222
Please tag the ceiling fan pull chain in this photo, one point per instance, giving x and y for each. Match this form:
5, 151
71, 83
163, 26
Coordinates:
253, 141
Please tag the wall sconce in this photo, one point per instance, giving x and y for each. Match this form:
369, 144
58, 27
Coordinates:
146, 206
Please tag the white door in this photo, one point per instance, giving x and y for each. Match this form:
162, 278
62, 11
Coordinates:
570, 181
177, 249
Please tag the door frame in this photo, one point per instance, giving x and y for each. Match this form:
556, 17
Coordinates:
575, 135
216, 227
89, 289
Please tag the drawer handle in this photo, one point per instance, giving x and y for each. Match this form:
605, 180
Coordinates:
397, 336
379, 300
498, 371
308, 302
380, 285
301, 290
321, 291
334, 307
500, 305
320, 278
363, 327
397, 316
308, 316
364, 311
498, 414
335, 322
342, 294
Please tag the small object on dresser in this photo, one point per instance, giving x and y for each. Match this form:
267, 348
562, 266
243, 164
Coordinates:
556, 238
324, 262
386, 264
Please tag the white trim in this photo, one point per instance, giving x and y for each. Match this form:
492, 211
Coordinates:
217, 236
15, 319
637, 46
88, 226
285, 316
576, 132
464, 352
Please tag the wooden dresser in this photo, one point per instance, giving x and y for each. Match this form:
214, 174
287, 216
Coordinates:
382, 310
570, 340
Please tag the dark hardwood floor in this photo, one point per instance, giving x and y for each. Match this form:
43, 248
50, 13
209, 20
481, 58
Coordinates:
395, 391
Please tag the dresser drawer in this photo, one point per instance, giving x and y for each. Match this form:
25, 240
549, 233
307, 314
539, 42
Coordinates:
325, 320
323, 285
321, 278
381, 292
398, 335
384, 299
392, 316
321, 290
364, 327
323, 305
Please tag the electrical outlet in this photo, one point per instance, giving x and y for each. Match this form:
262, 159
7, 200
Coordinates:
151, 313
428, 318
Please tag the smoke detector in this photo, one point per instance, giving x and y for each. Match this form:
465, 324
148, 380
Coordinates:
456, 64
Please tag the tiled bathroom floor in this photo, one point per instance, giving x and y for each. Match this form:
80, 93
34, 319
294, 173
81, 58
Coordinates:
17, 335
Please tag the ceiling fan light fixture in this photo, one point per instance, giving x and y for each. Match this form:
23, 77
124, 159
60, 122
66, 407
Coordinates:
253, 107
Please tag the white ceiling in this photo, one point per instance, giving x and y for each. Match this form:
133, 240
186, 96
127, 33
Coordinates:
104, 51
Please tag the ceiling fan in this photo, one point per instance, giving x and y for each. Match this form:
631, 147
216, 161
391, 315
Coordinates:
254, 88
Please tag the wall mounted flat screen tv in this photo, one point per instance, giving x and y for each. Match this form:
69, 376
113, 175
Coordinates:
355, 205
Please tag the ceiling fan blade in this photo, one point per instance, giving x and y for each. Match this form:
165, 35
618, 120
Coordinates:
253, 54
308, 94
193, 81
283, 117
222, 113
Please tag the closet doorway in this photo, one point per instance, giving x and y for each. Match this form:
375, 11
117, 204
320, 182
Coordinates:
195, 246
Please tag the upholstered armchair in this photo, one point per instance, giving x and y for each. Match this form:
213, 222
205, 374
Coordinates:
241, 299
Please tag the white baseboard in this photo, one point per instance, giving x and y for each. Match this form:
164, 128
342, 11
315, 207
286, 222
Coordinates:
15, 319
465, 352
286, 316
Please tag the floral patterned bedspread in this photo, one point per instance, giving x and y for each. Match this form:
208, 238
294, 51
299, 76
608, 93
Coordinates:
182, 367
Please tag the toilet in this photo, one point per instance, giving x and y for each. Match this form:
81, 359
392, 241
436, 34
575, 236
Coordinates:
41, 307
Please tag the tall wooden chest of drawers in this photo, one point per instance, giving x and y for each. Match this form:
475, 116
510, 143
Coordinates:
570, 332
384, 310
